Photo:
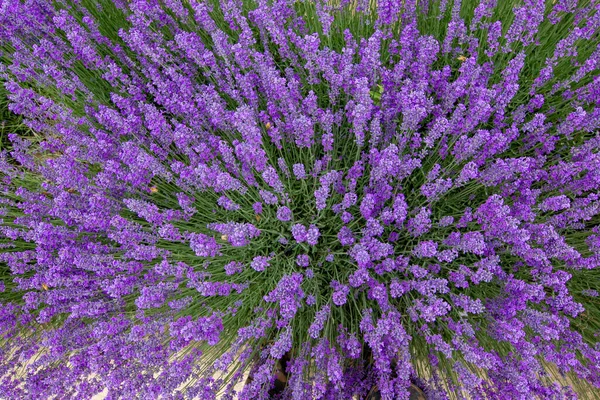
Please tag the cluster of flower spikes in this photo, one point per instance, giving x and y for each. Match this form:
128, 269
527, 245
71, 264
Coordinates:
220, 184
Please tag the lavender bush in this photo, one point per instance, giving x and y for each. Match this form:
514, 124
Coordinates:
222, 183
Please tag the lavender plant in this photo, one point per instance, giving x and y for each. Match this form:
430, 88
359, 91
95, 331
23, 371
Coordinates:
224, 183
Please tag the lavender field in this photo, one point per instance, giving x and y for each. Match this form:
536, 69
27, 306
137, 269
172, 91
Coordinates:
300, 199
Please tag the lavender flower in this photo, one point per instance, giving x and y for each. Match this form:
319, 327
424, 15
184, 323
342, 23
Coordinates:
312, 235
172, 224
259, 263
284, 214
303, 260
299, 171
299, 232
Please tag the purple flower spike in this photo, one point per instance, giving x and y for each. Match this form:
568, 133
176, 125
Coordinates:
303, 260
312, 235
299, 232
284, 214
